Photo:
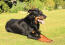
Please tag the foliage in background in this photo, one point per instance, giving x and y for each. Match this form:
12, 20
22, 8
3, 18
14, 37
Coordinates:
24, 5
19, 7
36, 4
59, 3
49, 4
3, 7
63, 5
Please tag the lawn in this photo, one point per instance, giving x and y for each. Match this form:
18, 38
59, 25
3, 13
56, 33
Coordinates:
54, 28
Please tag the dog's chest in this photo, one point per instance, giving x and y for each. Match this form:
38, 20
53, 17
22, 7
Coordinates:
35, 26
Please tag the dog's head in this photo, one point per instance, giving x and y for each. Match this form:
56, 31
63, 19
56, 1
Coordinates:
37, 15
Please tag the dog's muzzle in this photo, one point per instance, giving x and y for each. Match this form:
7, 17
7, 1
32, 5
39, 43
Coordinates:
41, 21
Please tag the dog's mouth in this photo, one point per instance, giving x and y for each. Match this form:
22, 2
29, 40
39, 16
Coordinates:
41, 21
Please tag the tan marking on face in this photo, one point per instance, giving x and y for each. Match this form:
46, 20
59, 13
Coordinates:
33, 31
39, 17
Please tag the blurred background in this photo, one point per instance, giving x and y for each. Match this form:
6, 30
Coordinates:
24, 5
54, 27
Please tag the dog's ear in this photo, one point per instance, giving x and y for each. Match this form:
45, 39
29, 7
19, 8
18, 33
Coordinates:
31, 16
33, 10
30, 11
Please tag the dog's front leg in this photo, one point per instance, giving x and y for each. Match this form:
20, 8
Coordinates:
33, 36
30, 36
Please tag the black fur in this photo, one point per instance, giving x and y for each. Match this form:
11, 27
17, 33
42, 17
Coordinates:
27, 25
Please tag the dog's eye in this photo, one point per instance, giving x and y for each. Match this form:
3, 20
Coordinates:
41, 14
34, 16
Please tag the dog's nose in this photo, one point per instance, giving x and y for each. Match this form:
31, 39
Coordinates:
45, 17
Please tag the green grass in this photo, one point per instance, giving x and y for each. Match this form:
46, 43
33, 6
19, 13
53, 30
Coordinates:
54, 28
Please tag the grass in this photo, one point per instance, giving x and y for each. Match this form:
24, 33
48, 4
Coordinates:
54, 28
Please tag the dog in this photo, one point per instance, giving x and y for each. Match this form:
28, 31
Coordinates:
28, 26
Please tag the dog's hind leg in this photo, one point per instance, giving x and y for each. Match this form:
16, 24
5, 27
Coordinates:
9, 30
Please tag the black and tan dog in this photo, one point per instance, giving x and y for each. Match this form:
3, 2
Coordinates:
29, 26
